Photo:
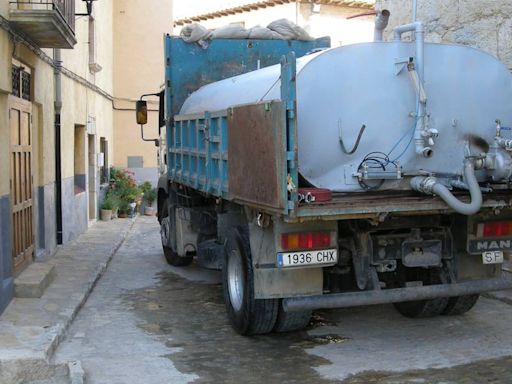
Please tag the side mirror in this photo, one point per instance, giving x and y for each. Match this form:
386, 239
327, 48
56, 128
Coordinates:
141, 110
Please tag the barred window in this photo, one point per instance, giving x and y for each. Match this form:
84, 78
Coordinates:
25, 86
21, 83
16, 91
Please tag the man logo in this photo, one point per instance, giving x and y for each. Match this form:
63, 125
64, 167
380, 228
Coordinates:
487, 245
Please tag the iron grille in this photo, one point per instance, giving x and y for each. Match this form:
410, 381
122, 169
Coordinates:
21, 83
25, 86
16, 91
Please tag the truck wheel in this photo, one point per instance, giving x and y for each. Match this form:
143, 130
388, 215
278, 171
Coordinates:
167, 231
291, 321
422, 308
248, 316
460, 304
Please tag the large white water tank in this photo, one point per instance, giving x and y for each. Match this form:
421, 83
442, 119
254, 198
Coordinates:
340, 89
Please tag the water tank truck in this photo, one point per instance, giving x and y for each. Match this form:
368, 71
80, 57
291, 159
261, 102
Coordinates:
318, 177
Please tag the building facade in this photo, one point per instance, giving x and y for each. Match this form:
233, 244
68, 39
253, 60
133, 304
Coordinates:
56, 87
139, 27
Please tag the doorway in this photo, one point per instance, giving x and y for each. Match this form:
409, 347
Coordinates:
21, 182
92, 176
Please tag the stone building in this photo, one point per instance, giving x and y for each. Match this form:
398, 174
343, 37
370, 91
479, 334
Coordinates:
485, 24
56, 119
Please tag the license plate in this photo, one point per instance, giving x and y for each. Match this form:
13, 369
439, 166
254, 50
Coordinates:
307, 258
492, 257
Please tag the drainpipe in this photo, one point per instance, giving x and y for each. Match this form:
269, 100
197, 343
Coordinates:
381, 22
57, 62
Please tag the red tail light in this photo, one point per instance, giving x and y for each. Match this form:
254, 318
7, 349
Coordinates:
495, 229
305, 240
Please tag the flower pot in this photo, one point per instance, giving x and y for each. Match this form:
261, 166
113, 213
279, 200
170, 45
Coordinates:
149, 211
122, 215
106, 214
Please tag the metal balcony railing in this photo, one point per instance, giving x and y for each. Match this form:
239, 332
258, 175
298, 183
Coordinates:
65, 8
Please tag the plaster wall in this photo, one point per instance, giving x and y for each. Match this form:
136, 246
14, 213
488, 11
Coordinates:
485, 24
139, 27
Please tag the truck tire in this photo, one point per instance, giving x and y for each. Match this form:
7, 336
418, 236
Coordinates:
247, 315
422, 308
460, 304
291, 321
167, 229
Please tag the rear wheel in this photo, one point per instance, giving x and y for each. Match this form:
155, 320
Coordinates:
248, 316
460, 304
168, 237
424, 308
291, 321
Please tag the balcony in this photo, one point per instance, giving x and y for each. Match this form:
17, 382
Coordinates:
48, 23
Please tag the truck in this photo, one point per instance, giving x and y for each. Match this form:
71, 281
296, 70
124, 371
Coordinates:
317, 177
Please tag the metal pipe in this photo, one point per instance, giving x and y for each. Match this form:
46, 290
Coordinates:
414, 10
419, 32
430, 185
395, 295
381, 22
57, 62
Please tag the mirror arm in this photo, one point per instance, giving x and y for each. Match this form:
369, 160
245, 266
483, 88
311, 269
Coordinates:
156, 141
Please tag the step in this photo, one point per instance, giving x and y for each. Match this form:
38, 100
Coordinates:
33, 281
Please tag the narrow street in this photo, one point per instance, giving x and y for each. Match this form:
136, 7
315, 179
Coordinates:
147, 322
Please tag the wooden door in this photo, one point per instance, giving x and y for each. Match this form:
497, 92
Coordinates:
21, 182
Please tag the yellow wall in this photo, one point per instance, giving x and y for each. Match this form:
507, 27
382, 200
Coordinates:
79, 102
139, 26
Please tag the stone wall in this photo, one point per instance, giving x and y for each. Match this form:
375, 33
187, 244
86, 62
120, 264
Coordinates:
484, 24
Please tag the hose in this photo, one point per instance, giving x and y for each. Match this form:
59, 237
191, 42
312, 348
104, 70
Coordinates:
430, 185
356, 145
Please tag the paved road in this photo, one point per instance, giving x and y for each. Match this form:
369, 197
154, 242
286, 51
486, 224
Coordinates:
147, 322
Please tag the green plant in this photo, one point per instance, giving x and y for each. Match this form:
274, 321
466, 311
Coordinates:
108, 203
145, 187
124, 206
150, 196
123, 186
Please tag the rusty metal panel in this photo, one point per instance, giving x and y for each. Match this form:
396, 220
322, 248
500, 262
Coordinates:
257, 154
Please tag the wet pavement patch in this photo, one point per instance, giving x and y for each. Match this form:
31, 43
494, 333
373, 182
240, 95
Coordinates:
496, 371
190, 317
193, 317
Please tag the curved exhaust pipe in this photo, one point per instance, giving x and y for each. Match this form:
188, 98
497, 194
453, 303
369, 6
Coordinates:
430, 185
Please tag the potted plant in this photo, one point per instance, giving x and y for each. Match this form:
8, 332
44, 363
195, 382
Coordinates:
124, 208
149, 198
106, 208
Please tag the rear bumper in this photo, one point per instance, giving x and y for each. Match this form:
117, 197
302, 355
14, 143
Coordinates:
395, 295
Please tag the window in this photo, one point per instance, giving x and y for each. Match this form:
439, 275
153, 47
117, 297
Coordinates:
21, 82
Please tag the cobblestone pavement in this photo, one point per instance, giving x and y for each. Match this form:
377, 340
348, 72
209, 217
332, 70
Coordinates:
147, 322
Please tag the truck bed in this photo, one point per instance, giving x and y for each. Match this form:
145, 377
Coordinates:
375, 204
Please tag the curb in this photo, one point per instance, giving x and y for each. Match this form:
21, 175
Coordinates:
15, 370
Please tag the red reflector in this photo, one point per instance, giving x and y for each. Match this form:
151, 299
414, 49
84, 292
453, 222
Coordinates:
305, 240
498, 228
